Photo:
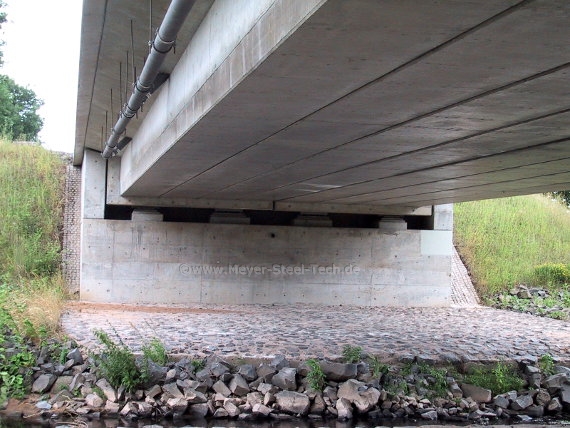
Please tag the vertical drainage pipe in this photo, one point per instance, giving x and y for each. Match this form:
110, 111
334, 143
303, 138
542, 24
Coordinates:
161, 45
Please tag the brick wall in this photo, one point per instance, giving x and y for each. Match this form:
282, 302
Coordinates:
72, 228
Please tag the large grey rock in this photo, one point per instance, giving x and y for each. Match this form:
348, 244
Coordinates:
170, 376
75, 355
93, 400
318, 406
534, 380
535, 411
344, 409
231, 408
364, 398
264, 388
177, 404
144, 409
153, 391
238, 385
129, 409
266, 372
43, 405
542, 397
562, 369
339, 371
221, 388
220, 413
43, 383
555, 406
554, 383
481, 395
286, 379
111, 408
330, 393
279, 362
269, 398
198, 410
61, 383
455, 390
247, 371
172, 390
511, 395
194, 397
260, 409
203, 375
501, 401
77, 382
107, 389
565, 394
522, 402
156, 373
218, 369
254, 398
430, 415
293, 402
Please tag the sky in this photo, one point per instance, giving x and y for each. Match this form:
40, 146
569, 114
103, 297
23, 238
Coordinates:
41, 52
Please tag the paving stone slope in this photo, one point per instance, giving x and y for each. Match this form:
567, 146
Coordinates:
462, 290
305, 331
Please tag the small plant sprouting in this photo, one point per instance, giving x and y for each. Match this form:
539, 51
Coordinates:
351, 354
117, 363
155, 351
378, 368
316, 377
99, 392
499, 379
437, 378
198, 365
546, 364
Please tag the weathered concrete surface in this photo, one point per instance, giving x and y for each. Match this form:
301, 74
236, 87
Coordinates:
93, 174
156, 262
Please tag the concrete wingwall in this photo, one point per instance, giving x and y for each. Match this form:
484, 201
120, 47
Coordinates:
162, 262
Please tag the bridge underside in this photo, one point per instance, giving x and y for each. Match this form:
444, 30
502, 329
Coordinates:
383, 108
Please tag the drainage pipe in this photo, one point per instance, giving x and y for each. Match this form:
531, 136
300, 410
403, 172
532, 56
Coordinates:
162, 44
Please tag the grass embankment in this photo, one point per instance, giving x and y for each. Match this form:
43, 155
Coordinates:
518, 240
31, 203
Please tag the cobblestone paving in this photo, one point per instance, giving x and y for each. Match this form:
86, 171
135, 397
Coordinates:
462, 290
303, 331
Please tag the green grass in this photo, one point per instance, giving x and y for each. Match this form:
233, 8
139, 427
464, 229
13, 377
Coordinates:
31, 184
31, 203
504, 240
499, 379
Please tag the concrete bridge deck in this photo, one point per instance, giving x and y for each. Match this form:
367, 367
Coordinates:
339, 132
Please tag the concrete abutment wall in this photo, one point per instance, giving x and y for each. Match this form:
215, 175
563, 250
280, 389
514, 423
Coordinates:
161, 262
148, 261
